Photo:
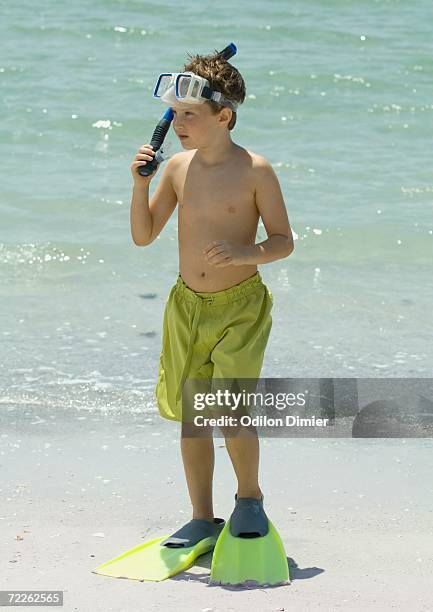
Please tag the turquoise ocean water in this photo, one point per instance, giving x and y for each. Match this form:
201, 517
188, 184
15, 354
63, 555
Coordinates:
339, 99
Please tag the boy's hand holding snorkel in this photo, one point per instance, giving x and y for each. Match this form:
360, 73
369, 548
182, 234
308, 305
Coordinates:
149, 156
144, 155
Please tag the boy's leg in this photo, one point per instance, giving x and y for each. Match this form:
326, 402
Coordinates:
239, 355
197, 444
243, 450
198, 457
196, 447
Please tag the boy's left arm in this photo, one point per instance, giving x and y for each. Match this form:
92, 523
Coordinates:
272, 209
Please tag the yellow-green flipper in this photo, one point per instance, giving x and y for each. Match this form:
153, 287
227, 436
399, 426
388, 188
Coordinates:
155, 561
255, 553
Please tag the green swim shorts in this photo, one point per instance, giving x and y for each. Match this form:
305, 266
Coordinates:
220, 335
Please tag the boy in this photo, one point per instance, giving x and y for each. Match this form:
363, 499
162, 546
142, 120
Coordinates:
217, 317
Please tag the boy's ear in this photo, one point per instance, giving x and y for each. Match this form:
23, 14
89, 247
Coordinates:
225, 115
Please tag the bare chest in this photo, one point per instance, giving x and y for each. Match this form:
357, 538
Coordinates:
222, 199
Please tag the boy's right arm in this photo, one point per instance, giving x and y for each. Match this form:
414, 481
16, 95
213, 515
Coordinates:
148, 219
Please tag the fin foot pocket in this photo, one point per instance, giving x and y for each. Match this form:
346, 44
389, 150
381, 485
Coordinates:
194, 531
248, 519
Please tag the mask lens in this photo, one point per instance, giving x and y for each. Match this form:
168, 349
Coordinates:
196, 89
182, 86
163, 83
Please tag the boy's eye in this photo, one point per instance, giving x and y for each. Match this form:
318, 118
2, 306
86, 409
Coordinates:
191, 113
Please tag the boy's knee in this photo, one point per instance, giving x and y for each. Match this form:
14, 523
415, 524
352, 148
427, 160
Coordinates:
236, 427
191, 430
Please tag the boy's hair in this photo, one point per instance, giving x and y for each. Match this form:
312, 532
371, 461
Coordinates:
222, 77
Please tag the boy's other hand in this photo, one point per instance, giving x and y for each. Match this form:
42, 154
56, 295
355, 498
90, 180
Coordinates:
145, 153
223, 253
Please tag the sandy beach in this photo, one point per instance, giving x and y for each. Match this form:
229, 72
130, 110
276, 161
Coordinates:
79, 488
338, 100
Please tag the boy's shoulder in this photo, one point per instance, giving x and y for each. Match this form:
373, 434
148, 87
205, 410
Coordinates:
175, 163
259, 168
257, 161
181, 156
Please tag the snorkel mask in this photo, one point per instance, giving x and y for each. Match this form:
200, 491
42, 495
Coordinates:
190, 88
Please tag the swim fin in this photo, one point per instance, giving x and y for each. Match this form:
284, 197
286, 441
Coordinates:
249, 548
165, 556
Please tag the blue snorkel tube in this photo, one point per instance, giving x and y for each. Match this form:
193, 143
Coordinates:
156, 141
164, 123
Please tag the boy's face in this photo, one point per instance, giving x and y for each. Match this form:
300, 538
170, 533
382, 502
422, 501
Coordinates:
195, 124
